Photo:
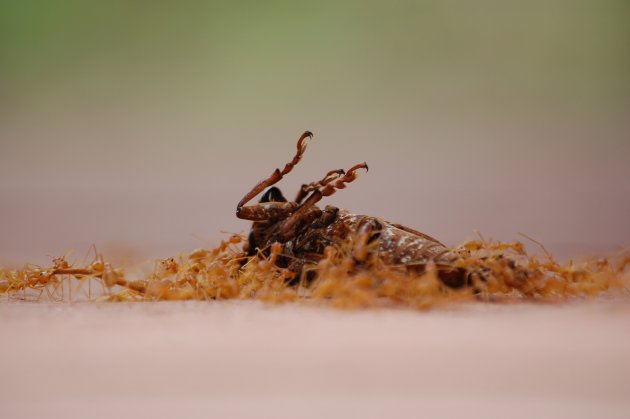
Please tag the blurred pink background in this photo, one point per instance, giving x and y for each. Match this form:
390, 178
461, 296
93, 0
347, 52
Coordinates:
138, 128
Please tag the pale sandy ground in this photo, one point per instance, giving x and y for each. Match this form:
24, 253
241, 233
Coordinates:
244, 359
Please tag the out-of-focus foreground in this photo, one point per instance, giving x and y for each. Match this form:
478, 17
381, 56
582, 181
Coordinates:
241, 359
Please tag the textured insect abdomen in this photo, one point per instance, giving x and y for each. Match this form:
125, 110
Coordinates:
397, 245
415, 251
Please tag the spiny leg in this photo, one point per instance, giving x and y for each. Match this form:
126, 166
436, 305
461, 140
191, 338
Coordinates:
318, 194
331, 188
241, 210
310, 187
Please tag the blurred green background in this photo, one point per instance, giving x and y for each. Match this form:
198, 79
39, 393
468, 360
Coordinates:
138, 124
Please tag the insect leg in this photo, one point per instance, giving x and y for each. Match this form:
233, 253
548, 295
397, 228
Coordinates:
310, 187
318, 194
368, 231
275, 176
266, 211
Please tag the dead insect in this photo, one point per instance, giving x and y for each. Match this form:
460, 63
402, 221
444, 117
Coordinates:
305, 230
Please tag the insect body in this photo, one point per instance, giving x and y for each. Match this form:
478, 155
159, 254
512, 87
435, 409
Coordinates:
305, 230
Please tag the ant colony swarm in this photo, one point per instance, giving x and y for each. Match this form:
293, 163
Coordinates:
498, 272
297, 251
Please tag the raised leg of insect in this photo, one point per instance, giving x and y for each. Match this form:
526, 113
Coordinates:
241, 210
310, 187
317, 195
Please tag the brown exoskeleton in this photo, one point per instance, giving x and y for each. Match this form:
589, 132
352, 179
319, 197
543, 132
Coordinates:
304, 230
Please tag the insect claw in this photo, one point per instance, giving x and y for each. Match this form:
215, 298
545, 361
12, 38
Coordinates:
301, 144
358, 166
304, 136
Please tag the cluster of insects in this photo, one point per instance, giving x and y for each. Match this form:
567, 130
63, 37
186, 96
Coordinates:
305, 230
297, 250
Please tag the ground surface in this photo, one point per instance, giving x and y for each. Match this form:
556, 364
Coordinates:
245, 359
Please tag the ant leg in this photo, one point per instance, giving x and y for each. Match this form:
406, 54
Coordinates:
310, 187
318, 194
241, 211
368, 232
